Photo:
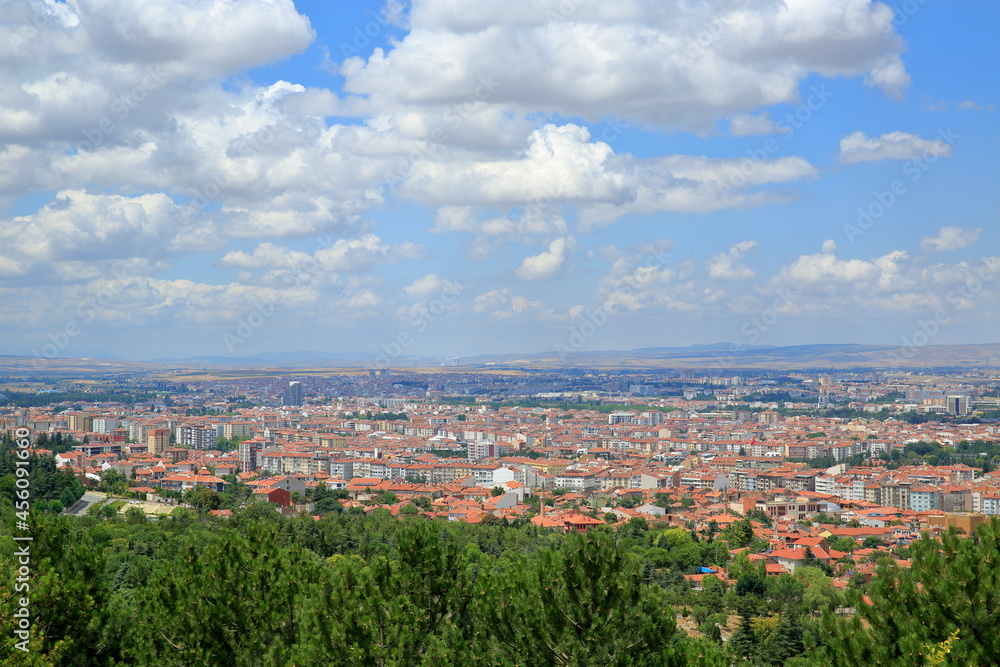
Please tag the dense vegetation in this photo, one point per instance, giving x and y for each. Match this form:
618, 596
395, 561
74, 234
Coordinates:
52, 489
355, 589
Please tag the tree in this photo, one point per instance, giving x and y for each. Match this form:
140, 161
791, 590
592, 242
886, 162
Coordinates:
819, 593
328, 505
663, 500
738, 534
205, 498
386, 498
872, 542
68, 596
410, 610
844, 544
687, 501
230, 601
582, 605
954, 607
743, 643
497, 491
787, 640
759, 516
111, 482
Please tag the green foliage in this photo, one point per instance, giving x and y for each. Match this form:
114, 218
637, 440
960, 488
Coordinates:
412, 610
386, 498
32, 400
844, 544
951, 615
759, 516
743, 643
787, 640
872, 542
385, 416
663, 500
68, 597
261, 589
819, 593
229, 602
739, 534
582, 605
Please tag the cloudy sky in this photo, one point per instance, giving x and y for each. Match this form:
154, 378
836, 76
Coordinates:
453, 177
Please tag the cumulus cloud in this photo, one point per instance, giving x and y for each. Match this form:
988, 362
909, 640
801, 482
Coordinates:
951, 238
726, 265
562, 166
547, 264
79, 225
672, 65
859, 147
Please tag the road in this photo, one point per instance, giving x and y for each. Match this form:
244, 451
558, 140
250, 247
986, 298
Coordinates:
88, 499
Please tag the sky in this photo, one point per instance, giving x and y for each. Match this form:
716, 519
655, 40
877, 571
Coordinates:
453, 177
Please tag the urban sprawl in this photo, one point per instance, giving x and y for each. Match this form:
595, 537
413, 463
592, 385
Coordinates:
825, 464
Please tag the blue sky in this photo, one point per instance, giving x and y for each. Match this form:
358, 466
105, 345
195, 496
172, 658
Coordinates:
448, 178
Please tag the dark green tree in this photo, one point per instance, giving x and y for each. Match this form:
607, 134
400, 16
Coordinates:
739, 534
952, 614
411, 610
582, 605
787, 639
743, 643
230, 601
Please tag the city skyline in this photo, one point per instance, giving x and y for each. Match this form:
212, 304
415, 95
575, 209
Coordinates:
448, 179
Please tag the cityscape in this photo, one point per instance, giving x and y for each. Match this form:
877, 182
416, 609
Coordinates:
835, 472
499, 333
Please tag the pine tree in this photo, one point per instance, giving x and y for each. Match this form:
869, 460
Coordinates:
231, 601
410, 610
68, 597
787, 639
743, 643
949, 597
582, 605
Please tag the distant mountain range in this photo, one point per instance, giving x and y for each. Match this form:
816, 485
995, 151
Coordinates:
715, 357
281, 358
725, 356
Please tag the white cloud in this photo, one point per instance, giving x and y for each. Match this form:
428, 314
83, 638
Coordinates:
859, 147
547, 264
78, 225
426, 286
560, 165
726, 265
951, 238
503, 304
969, 105
673, 65
344, 255
749, 124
